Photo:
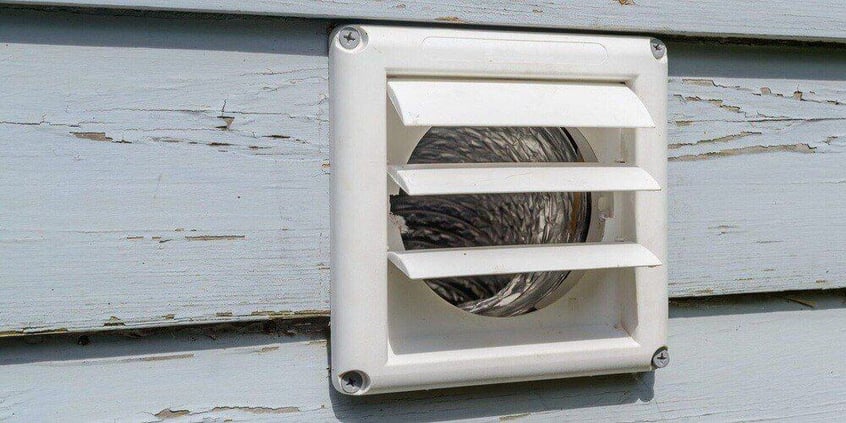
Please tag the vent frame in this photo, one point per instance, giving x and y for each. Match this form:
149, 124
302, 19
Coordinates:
376, 330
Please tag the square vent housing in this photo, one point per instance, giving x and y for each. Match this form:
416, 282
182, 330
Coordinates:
459, 92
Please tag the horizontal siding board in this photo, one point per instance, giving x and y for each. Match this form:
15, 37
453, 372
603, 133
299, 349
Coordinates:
750, 225
164, 170
754, 170
224, 138
783, 19
729, 362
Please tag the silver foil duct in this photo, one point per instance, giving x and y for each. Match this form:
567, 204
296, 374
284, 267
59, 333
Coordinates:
452, 221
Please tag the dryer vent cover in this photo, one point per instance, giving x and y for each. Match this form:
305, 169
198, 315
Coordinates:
498, 207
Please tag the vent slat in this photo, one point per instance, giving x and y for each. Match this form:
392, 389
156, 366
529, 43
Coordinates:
457, 262
443, 102
499, 178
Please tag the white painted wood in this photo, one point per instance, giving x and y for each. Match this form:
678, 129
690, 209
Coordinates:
806, 20
504, 103
122, 143
455, 262
736, 360
475, 178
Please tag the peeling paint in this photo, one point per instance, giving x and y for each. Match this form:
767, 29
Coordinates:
114, 321
166, 139
699, 82
214, 237
722, 105
167, 357
713, 101
93, 136
757, 149
798, 96
726, 138
27, 331
167, 413
723, 227
227, 122
258, 410
288, 313
511, 417
97, 136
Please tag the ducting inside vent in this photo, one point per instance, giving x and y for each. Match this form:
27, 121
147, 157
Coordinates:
450, 221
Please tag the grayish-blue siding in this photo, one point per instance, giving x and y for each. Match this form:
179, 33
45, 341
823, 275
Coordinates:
164, 169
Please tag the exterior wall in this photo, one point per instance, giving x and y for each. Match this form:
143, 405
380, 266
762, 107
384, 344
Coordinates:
175, 169
733, 359
818, 20
161, 169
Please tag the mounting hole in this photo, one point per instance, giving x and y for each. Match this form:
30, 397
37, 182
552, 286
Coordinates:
353, 381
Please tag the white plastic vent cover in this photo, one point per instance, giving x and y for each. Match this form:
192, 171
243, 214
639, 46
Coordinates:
498, 207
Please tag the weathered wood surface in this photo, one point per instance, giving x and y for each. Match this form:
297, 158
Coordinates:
756, 170
783, 19
170, 170
160, 171
739, 359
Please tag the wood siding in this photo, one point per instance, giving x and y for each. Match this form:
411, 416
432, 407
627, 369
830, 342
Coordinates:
738, 359
174, 170
777, 19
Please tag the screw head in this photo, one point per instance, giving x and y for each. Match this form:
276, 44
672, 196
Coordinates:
661, 358
349, 38
352, 382
658, 48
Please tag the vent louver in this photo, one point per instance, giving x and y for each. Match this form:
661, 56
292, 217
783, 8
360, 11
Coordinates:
505, 188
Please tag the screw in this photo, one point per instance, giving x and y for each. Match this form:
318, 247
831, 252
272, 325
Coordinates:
352, 382
661, 358
658, 48
349, 37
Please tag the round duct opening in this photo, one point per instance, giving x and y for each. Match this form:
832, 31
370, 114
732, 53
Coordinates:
480, 220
